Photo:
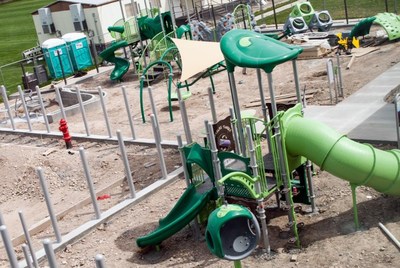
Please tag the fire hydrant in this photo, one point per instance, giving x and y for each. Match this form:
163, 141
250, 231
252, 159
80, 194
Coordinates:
64, 129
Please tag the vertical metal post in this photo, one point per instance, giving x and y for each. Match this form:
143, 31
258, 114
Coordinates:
154, 109
396, 110
310, 187
156, 133
7, 106
214, 154
82, 108
355, 210
27, 256
273, 8
9, 247
262, 96
236, 107
234, 129
126, 164
46, 121
212, 105
345, 12
28, 119
329, 67
60, 102
296, 80
61, 66
103, 107
128, 111
100, 261
260, 205
28, 240
185, 120
183, 159
51, 258
1, 219
339, 69
272, 94
46, 194
89, 182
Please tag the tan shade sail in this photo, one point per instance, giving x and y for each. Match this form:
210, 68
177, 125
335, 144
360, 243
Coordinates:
197, 56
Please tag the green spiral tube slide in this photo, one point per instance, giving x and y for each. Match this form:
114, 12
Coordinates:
360, 164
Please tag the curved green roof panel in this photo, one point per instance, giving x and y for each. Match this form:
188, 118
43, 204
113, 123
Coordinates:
249, 49
391, 23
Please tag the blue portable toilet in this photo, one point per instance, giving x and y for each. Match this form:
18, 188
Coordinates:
57, 57
78, 50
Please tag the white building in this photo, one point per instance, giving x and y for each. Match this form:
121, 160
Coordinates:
93, 17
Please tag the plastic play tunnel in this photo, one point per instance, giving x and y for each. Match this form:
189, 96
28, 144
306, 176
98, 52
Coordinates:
360, 164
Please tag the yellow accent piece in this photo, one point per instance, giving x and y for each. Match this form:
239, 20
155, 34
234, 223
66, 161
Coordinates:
245, 42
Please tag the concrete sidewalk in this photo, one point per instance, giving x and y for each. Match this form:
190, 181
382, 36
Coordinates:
364, 116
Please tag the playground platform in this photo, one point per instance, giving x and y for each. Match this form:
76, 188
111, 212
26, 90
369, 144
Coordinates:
364, 116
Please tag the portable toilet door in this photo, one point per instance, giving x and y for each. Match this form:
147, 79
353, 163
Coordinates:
57, 58
78, 49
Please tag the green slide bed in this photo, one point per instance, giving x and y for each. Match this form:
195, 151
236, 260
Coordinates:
185, 210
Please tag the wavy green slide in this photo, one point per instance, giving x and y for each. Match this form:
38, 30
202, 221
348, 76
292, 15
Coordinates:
185, 210
360, 164
121, 65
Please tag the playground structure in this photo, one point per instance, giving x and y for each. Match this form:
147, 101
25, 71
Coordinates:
293, 142
304, 18
329, 157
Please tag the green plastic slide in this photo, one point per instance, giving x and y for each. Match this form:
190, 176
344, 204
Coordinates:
121, 65
360, 164
185, 210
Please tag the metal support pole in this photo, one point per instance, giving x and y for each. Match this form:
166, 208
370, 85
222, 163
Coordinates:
272, 94
60, 102
82, 108
156, 133
154, 110
311, 187
296, 80
7, 106
100, 261
28, 240
89, 182
62, 66
260, 204
126, 164
46, 194
128, 111
355, 210
2, 219
234, 129
46, 121
103, 108
185, 120
9, 247
27, 256
390, 235
236, 107
339, 69
51, 258
345, 12
275, 20
28, 119
183, 160
212, 105
214, 154
207, 137
262, 96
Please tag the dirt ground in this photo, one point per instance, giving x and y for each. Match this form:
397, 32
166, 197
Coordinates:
328, 238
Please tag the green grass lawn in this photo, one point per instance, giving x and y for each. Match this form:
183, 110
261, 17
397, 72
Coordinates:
17, 33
